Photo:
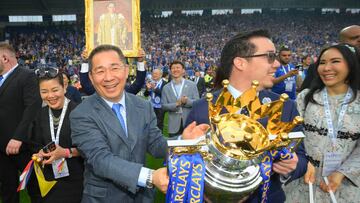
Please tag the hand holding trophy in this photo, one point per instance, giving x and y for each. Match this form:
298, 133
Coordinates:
238, 151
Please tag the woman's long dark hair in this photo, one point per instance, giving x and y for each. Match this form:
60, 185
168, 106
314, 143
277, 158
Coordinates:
352, 58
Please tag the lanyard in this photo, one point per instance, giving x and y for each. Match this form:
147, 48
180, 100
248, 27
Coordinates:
175, 92
332, 133
62, 116
158, 84
288, 69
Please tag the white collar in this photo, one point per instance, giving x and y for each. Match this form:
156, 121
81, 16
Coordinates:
9, 72
234, 92
122, 101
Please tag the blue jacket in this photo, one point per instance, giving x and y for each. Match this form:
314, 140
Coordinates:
199, 113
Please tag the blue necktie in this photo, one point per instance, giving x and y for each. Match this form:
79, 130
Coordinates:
116, 109
1, 78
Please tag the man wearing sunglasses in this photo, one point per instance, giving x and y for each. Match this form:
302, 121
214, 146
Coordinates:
245, 58
19, 102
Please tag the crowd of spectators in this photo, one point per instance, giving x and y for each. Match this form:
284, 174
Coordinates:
194, 40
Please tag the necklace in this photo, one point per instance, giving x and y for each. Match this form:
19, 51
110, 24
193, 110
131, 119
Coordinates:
56, 120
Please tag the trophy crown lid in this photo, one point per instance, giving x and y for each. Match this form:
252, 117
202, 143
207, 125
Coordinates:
209, 97
255, 84
225, 83
284, 97
242, 136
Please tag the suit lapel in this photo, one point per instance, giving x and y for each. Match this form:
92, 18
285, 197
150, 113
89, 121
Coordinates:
111, 121
8, 80
133, 111
185, 88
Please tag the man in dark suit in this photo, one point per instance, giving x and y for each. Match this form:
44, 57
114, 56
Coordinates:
153, 89
114, 130
134, 88
19, 103
244, 58
200, 83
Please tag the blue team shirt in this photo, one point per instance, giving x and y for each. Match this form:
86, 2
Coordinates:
280, 87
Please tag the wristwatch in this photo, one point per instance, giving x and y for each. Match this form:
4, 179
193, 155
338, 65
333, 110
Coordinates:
149, 179
71, 153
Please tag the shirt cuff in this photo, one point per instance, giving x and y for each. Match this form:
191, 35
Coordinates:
84, 68
140, 66
143, 176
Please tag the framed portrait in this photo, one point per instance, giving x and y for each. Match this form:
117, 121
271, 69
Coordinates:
115, 22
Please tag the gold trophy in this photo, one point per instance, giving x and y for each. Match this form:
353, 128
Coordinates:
235, 144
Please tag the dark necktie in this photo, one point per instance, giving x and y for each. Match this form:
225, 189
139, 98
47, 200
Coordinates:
116, 109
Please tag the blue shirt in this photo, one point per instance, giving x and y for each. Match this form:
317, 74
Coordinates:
280, 87
6, 75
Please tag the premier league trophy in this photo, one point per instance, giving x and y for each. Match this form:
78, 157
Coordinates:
237, 152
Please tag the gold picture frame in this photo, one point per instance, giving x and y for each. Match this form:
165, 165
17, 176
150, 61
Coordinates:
115, 22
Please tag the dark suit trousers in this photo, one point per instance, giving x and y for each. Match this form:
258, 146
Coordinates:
10, 168
160, 118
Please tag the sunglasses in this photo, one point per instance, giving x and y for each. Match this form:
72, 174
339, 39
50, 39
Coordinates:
47, 72
271, 56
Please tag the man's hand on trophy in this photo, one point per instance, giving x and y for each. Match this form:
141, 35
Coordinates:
194, 131
161, 179
310, 174
284, 167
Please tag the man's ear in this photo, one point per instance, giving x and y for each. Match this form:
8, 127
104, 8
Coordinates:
240, 63
4, 58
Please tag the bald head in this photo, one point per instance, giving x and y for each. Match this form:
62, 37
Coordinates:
351, 35
7, 57
156, 74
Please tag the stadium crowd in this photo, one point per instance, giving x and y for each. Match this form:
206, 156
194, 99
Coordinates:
183, 48
195, 40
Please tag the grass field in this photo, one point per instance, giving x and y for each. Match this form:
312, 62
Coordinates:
150, 163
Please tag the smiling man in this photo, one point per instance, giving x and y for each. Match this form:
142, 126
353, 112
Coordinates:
245, 58
177, 98
114, 130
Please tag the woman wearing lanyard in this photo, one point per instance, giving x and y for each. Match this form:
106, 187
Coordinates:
62, 163
331, 111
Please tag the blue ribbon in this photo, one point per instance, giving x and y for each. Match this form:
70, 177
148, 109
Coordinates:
266, 168
186, 174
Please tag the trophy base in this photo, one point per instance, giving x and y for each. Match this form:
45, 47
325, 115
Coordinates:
214, 196
230, 186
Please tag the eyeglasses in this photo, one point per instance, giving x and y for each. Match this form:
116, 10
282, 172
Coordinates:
271, 56
47, 72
